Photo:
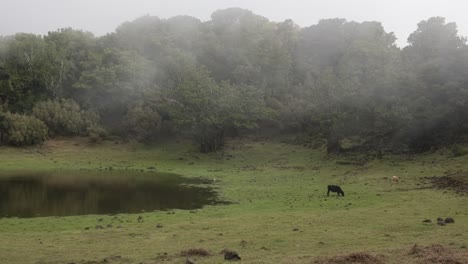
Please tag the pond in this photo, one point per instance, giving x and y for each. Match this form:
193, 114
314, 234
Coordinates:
81, 193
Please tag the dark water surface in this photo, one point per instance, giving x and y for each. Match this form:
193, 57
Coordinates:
82, 193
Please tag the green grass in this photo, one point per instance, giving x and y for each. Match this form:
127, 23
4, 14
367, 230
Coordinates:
280, 212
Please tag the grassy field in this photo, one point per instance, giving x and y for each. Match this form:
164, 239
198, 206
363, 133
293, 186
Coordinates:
279, 213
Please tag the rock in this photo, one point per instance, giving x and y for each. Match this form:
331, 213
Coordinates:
439, 219
427, 221
295, 229
449, 220
231, 255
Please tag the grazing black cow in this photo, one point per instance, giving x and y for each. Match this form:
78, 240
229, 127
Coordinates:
335, 188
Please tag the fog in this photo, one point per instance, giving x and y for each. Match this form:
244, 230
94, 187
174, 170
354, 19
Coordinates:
103, 16
329, 69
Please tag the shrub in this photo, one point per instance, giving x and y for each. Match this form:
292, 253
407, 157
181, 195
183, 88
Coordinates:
21, 130
96, 133
142, 122
65, 117
459, 151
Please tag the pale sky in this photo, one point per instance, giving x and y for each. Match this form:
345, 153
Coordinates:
103, 16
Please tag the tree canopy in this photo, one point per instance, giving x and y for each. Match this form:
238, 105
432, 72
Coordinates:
340, 80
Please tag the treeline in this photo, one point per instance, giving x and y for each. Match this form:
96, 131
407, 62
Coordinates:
346, 82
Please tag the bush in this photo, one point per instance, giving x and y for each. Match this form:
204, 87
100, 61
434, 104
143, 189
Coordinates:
96, 133
21, 130
459, 151
64, 117
142, 122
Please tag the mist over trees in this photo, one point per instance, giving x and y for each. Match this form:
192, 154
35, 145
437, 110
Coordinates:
338, 80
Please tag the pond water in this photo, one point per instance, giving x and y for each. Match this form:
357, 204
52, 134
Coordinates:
82, 193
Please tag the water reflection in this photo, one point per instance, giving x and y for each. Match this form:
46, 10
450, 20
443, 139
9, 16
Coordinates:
30, 195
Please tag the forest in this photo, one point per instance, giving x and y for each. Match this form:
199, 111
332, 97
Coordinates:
344, 82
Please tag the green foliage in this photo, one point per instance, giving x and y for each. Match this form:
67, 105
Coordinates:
65, 117
33, 71
351, 75
459, 151
194, 107
96, 133
142, 122
3, 75
111, 80
198, 105
437, 60
73, 48
22, 130
341, 80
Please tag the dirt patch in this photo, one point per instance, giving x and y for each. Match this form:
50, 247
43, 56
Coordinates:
357, 257
195, 252
109, 259
430, 254
436, 254
61, 142
457, 182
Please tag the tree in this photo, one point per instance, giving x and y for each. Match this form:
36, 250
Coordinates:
112, 80
234, 39
65, 117
21, 130
352, 70
3, 75
205, 109
142, 122
33, 71
73, 48
436, 57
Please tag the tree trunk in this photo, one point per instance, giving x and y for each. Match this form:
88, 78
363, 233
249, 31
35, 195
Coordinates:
379, 154
212, 142
334, 147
